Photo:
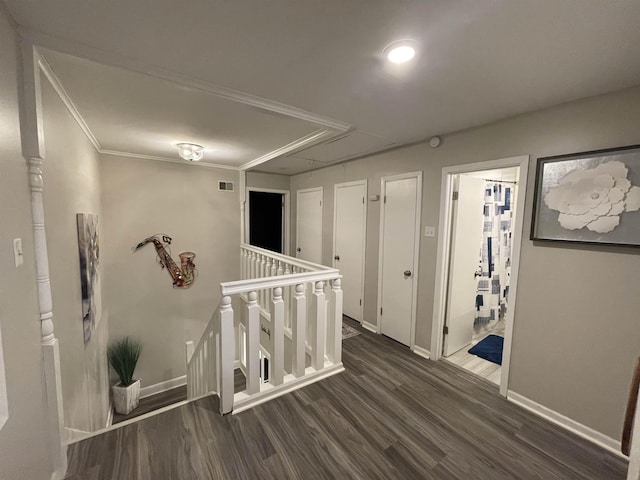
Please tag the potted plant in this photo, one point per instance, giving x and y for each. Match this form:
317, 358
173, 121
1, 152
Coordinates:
123, 356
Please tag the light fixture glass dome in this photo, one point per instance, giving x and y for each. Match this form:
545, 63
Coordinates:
190, 151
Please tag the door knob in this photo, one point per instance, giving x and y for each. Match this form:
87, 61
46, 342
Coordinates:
407, 273
337, 257
298, 249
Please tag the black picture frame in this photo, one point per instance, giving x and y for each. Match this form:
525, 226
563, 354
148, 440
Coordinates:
546, 225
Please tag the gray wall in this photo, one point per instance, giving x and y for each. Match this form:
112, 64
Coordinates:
71, 172
144, 197
576, 331
23, 450
268, 180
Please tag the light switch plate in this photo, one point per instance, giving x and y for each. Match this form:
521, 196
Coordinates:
17, 251
429, 231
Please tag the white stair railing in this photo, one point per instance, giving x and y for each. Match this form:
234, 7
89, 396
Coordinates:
210, 356
273, 298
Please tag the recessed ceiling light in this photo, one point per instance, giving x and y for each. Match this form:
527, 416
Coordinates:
400, 52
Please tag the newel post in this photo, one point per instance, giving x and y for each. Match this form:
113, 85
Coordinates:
319, 325
252, 346
227, 356
335, 323
277, 332
299, 330
33, 148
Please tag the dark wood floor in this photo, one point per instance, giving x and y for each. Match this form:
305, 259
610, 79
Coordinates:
391, 415
169, 397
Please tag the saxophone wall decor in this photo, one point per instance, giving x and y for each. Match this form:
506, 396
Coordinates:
182, 276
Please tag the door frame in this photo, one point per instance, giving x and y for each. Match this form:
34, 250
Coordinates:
364, 233
308, 190
444, 252
416, 250
287, 209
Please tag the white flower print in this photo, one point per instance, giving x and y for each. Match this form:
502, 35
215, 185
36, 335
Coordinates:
594, 198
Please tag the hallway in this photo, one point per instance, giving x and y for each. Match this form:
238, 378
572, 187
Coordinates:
392, 414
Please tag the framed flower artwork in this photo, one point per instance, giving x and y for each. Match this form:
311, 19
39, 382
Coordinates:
589, 197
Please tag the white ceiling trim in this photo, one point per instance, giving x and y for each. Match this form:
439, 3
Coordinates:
166, 159
48, 72
114, 60
306, 141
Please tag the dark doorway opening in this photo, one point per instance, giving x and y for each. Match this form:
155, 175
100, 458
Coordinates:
266, 220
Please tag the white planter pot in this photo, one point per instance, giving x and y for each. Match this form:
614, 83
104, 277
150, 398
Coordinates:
125, 399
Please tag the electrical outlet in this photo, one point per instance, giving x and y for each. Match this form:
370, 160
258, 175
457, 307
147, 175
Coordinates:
429, 231
17, 251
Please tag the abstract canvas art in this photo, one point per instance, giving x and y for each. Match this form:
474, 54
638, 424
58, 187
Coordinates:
590, 197
89, 248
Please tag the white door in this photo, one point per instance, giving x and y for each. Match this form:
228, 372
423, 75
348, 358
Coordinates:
309, 225
349, 242
400, 221
466, 241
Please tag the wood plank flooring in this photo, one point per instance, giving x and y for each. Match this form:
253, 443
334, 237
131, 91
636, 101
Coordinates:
169, 397
476, 365
390, 415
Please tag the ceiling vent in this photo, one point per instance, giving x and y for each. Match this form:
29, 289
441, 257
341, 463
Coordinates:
225, 186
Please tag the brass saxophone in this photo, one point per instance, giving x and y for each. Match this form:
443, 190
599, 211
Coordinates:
182, 276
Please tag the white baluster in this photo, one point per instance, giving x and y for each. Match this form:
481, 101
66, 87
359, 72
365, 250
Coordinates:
227, 356
253, 344
263, 293
277, 334
280, 268
319, 325
252, 261
299, 330
243, 266
267, 273
189, 346
287, 269
334, 350
274, 268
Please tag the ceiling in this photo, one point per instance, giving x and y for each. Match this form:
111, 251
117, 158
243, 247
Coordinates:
477, 62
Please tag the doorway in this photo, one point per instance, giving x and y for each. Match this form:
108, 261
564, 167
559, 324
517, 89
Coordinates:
268, 219
400, 215
309, 224
476, 274
349, 238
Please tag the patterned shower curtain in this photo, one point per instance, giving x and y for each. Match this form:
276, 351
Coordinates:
492, 291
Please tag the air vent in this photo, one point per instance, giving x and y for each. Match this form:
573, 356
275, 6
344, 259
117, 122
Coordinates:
225, 186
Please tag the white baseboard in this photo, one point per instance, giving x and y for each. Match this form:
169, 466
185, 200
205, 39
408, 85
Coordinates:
423, 352
567, 423
370, 326
237, 364
163, 386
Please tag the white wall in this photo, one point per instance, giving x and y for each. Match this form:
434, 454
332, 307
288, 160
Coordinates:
23, 448
72, 176
576, 331
144, 197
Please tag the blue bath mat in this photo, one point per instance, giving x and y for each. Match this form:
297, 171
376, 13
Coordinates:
489, 348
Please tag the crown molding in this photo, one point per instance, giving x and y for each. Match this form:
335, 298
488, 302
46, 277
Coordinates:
50, 75
115, 153
101, 56
306, 141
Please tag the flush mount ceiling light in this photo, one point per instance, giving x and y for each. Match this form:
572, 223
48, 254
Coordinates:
190, 151
400, 52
